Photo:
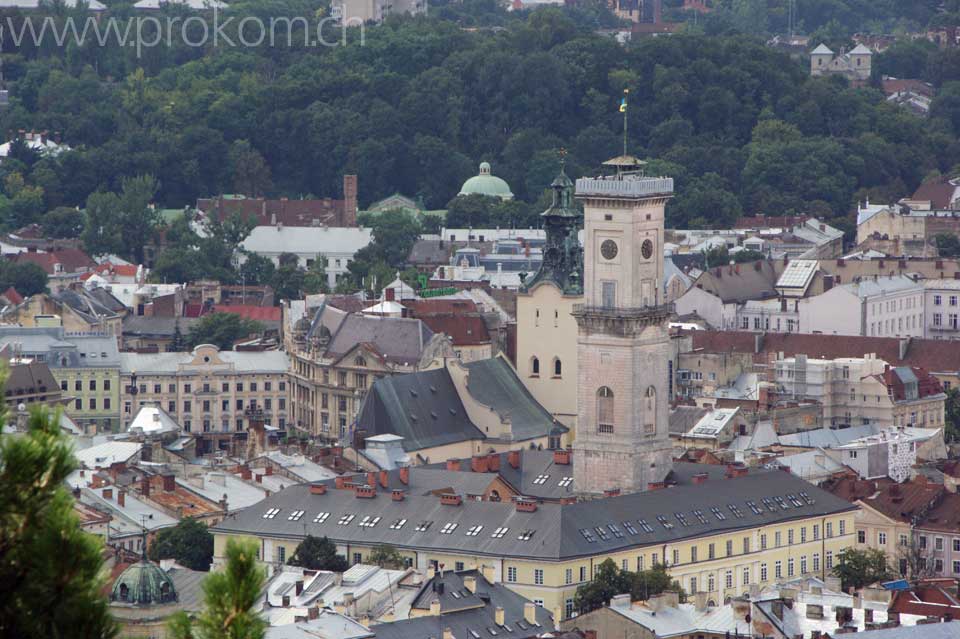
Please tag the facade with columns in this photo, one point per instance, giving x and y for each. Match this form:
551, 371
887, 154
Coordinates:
623, 344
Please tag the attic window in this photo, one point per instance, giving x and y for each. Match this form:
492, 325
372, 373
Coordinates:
448, 528
423, 525
398, 524
526, 535
346, 519
499, 533
541, 479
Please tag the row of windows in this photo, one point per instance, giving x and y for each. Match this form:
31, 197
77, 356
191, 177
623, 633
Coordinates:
206, 405
205, 388
91, 385
535, 367
91, 404
938, 300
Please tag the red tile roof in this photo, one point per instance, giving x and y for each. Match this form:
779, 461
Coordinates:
940, 194
927, 599
73, 260
247, 311
287, 212
945, 516
936, 356
419, 308
895, 85
463, 330
908, 500
12, 296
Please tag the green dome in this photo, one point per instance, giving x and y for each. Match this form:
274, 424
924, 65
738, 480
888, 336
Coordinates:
487, 184
143, 584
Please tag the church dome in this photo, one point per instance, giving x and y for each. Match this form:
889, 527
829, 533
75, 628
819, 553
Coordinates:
143, 584
485, 183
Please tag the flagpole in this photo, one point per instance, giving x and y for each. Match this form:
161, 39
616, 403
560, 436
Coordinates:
625, 92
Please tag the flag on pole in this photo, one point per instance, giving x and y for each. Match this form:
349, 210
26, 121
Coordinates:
623, 101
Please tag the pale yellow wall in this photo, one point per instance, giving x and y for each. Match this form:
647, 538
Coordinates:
556, 588
550, 335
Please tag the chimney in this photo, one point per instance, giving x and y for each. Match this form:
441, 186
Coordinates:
827, 283
568, 499
364, 492
513, 458
245, 473
405, 475
526, 505
757, 342
470, 583
268, 470
431, 573
493, 462
656, 485
260, 478
318, 489
384, 479
530, 613
561, 457
340, 482
299, 587
397, 494
286, 601
121, 497
736, 470
448, 499
108, 493
313, 612
453, 464
448, 633
95, 481
700, 601
435, 608
904, 345
349, 200
499, 615
169, 483
372, 479
478, 463
145, 485
700, 478
620, 601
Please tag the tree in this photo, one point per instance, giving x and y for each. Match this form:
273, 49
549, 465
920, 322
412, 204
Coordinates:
51, 572
257, 270
952, 410
387, 556
251, 173
608, 581
101, 230
189, 542
394, 233
222, 330
177, 343
138, 218
315, 279
948, 244
229, 598
647, 583
288, 280
318, 553
858, 568
915, 559
62, 222
26, 278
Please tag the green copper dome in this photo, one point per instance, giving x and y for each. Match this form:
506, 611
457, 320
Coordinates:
487, 184
143, 584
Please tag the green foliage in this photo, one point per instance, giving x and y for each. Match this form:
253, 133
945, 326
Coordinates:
858, 568
229, 598
189, 542
609, 581
27, 278
948, 244
386, 556
952, 420
318, 553
62, 222
222, 330
51, 572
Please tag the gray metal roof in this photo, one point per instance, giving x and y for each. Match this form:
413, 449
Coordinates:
423, 408
949, 630
61, 349
494, 382
553, 530
397, 339
157, 326
170, 363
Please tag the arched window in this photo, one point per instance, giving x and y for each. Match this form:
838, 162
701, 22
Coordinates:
534, 366
604, 410
557, 367
359, 361
650, 410
124, 592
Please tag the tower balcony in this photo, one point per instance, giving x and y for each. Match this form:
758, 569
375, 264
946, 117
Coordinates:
625, 186
621, 321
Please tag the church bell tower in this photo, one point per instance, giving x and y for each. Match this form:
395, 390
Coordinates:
623, 342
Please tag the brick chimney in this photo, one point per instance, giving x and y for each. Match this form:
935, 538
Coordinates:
493, 462
318, 489
405, 475
169, 483
526, 505
513, 458
145, 485
349, 200
268, 470
372, 479
656, 485
736, 470
453, 464
561, 457
478, 463
365, 492
299, 587
470, 583
121, 498
397, 494
384, 479
448, 499
611, 492
245, 473
700, 478
499, 616
108, 493
259, 478
340, 482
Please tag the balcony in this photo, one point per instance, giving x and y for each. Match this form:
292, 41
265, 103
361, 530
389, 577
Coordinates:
621, 321
625, 187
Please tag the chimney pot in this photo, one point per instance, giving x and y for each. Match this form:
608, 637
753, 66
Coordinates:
530, 613
121, 498
397, 494
405, 475
169, 483
453, 464
384, 479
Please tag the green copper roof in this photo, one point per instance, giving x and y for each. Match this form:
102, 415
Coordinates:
562, 254
487, 184
143, 584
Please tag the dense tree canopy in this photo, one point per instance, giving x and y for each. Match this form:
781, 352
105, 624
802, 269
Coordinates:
222, 330
858, 568
189, 543
318, 553
417, 106
609, 581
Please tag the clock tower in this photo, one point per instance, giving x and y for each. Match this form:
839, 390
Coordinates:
623, 342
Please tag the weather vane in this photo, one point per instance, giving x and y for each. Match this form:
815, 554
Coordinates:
562, 154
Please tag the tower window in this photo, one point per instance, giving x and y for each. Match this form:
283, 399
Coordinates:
534, 366
650, 410
605, 410
557, 367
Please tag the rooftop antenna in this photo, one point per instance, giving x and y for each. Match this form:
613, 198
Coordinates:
143, 527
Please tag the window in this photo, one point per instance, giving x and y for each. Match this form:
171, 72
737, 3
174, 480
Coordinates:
803, 534
186, 388
78, 385
763, 541
106, 384
728, 579
93, 384
93, 403
938, 543
106, 403
777, 539
746, 545
882, 538
746, 576
676, 556
538, 576
937, 300
861, 536
790, 537
693, 585
512, 574
711, 551
568, 576
557, 368
843, 527
829, 560
448, 528
763, 572
473, 531
693, 554
790, 567
605, 410
803, 564
534, 366
729, 547
499, 533
778, 569
357, 558
608, 294
816, 562
583, 573
568, 608
829, 529
816, 532
281, 554
398, 524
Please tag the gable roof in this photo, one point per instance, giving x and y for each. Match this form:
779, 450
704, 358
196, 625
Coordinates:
250, 311
73, 260
398, 340
423, 408
941, 194
740, 282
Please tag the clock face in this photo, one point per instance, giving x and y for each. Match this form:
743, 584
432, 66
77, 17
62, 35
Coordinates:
646, 249
608, 249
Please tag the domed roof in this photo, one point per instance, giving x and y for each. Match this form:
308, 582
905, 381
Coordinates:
485, 183
143, 584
